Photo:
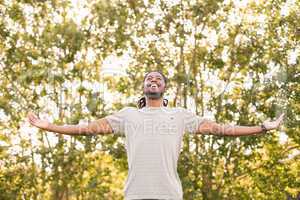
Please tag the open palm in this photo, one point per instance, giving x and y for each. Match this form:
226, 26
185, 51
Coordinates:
274, 124
35, 121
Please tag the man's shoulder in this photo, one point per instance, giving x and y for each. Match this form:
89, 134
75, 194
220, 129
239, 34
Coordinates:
178, 109
123, 112
183, 111
128, 109
174, 110
167, 109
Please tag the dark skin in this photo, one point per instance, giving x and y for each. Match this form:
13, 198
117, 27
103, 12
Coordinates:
208, 127
154, 83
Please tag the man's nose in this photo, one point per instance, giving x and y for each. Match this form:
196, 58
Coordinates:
154, 80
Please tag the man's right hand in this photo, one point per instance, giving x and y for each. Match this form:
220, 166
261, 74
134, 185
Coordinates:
35, 121
100, 126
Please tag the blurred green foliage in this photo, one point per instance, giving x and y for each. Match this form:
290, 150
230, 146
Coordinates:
236, 60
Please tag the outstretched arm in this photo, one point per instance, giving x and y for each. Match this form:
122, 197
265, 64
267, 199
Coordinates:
210, 127
100, 126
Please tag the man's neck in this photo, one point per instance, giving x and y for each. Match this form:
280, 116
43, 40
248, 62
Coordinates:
154, 102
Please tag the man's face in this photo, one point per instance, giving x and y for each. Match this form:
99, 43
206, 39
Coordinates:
154, 85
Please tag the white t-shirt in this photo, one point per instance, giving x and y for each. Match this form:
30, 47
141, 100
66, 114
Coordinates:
153, 140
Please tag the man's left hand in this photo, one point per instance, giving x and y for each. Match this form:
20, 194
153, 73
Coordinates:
273, 124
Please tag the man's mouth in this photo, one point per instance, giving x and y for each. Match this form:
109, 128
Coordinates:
153, 85
153, 91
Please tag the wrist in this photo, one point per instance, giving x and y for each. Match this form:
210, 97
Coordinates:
263, 128
47, 127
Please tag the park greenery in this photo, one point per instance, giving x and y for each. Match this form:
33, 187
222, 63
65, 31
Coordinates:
235, 61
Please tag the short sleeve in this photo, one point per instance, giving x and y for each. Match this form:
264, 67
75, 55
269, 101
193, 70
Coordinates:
117, 120
191, 121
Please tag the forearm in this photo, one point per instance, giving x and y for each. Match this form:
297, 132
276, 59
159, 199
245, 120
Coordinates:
69, 129
100, 126
234, 130
211, 127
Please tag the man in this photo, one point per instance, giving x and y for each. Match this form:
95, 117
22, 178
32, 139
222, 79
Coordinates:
153, 135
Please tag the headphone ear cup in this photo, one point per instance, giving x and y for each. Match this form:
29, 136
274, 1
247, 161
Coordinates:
165, 102
142, 102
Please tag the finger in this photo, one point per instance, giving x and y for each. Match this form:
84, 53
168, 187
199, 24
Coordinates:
34, 117
31, 122
281, 122
31, 116
28, 119
280, 117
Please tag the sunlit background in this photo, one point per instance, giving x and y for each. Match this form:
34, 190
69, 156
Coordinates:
208, 32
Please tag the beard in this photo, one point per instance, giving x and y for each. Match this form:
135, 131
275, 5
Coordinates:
154, 95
